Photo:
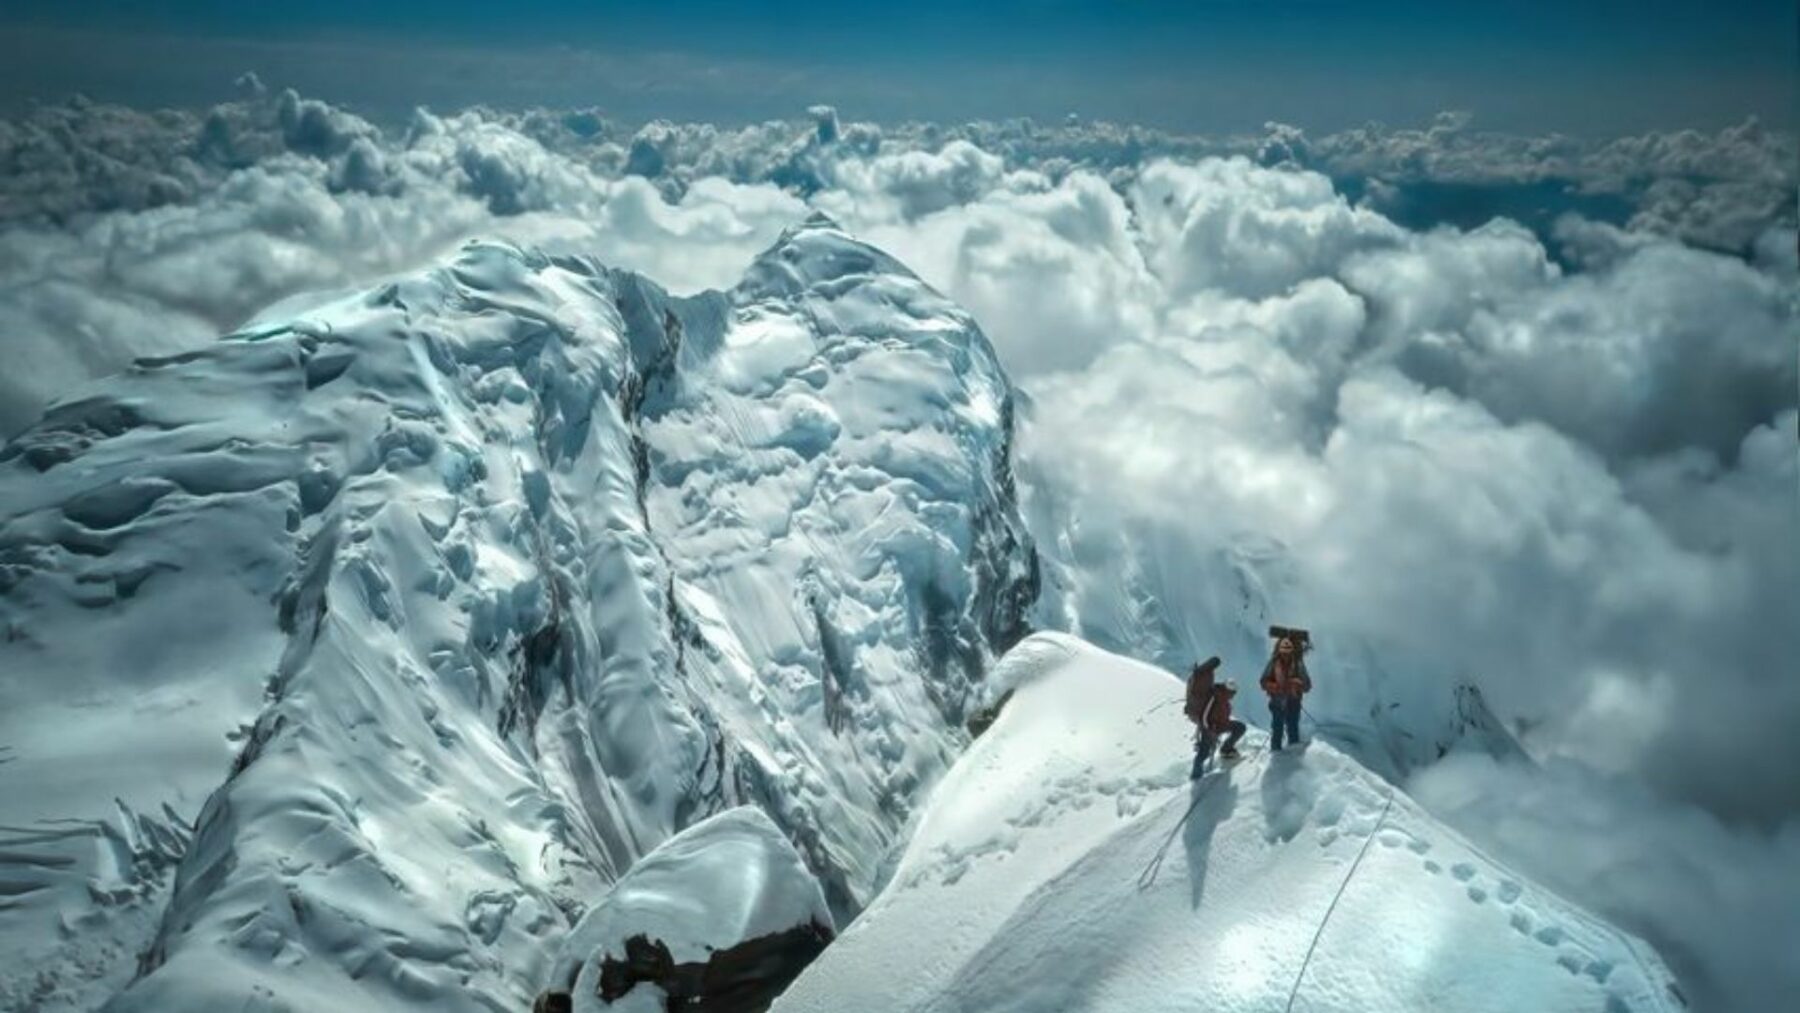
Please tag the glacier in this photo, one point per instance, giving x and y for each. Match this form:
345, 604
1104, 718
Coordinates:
351, 657
415, 647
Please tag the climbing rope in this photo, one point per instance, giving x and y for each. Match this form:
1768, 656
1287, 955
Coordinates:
1295, 991
1147, 878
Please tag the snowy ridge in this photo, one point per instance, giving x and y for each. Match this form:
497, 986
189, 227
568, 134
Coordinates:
1298, 882
1135, 594
426, 612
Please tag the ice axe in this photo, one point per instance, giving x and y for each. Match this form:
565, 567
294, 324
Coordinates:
1300, 637
1160, 706
1203, 670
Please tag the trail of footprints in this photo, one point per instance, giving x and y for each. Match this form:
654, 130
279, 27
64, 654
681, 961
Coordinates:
1521, 917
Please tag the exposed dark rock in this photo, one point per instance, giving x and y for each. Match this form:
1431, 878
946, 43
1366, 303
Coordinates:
984, 718
744, 978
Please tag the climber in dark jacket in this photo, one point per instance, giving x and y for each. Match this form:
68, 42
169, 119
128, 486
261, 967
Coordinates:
1199, 687
1286, 680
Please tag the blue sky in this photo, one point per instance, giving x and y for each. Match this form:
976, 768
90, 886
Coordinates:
1595, 67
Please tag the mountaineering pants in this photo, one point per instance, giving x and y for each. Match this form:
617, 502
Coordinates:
1284, 715
1203, 749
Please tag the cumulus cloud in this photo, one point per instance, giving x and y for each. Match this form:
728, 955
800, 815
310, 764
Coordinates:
1603, 354
79, 156
1719, 189
1053, 269
1226, 225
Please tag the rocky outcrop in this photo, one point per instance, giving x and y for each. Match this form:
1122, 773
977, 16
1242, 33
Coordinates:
742, 978
720, 917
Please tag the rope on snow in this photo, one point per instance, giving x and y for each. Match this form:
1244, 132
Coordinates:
1314, 945
1147, 878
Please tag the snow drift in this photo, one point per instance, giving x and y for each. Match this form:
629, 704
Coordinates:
728, 880
350, 658
1052, 871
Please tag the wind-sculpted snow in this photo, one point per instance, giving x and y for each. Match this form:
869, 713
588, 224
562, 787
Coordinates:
1067, 863
729, 879
424, 613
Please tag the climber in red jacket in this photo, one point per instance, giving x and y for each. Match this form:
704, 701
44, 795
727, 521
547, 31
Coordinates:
1286, 680
1209, 707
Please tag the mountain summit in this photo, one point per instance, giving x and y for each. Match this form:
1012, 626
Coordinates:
350, 658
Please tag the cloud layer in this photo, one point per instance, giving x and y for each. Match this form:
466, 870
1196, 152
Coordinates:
127, 232
1561, 469
1553, 457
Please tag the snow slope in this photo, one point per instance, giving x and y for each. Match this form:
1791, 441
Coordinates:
347, 660
1299, 882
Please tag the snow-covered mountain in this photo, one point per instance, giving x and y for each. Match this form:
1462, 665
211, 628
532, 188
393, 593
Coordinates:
423, 647
349, 659
1066, 863
728, 897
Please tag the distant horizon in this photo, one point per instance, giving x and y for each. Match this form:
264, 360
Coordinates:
397, 117
1214, 68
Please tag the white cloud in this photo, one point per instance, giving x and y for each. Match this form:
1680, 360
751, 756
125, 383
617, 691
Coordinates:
1602, 355
1053, 271
1228, 225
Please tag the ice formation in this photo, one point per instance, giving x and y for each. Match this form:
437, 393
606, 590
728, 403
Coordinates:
350, 658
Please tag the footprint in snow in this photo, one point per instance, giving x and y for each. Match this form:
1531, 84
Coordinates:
1393, 838
1463, 872
1329, 812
